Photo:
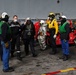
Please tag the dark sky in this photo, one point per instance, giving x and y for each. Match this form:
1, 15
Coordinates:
38, 8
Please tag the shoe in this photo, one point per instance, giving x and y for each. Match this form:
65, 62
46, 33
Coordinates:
62, 57
8, 70
65, 58
27, 54
34, 55
52, 53
42, 49
12, 56
19, 56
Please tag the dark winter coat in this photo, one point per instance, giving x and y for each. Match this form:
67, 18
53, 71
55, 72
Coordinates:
28, 31
15, 29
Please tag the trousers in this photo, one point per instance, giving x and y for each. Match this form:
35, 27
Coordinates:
65, 47
6, 54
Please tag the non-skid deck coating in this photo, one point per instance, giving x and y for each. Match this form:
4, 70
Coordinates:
44, 63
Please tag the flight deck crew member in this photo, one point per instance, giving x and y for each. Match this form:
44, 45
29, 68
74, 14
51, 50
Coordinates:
53, 29
5, 33
28, 37
15, 30
64, 30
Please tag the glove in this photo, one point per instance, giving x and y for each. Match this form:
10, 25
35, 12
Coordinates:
54, 36
7, 45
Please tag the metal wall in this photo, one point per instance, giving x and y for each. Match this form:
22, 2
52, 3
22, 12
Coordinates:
38, 8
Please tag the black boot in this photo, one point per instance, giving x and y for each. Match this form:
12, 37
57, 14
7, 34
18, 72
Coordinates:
12, 54
53, 52
62, 57
19, 56
34, 55
66, 57
27, 53
10, 69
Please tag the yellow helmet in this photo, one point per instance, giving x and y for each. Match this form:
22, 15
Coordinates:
50, 14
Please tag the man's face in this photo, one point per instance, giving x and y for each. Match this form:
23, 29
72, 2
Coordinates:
15, 18
50, 18
28, 21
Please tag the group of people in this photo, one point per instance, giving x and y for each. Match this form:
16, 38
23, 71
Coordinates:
10, 34
52, 26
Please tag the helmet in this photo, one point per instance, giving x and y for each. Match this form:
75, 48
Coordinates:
63, 16
4, 14
28, 18
42, 21
51, 14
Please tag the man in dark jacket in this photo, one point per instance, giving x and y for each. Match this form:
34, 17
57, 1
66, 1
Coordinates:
5, 33
28, 36
64, 35
15, 30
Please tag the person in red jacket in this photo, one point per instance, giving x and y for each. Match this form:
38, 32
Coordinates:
37, 26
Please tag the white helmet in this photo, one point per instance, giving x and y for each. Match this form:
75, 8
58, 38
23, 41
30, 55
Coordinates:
4, 14
42, 21
28, 18
63, 16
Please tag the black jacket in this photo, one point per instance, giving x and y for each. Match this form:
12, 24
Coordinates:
28, 31
15, 28
5, 36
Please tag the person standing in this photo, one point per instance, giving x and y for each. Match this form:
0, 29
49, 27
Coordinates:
64, 30
28, 37
15, 31
42, 35
53, 30
5, 33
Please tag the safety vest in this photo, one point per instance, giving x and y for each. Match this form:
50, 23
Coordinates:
54, 25
62, 28
1, 23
